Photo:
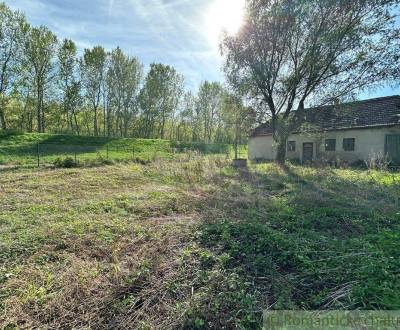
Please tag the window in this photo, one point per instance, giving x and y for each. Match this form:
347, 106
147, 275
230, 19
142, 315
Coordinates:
349, 144
291, 146
330, 145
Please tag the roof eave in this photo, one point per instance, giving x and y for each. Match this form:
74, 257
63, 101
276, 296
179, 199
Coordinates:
337, 129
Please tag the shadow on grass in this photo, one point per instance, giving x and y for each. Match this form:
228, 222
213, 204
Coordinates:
298, 238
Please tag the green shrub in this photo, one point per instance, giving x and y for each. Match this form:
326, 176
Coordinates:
67, 162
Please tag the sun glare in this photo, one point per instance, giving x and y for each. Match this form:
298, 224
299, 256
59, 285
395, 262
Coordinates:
224, 15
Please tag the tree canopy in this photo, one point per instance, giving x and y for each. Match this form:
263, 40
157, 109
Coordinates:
294, 52
48, 85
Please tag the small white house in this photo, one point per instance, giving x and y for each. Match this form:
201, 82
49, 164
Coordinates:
348, 132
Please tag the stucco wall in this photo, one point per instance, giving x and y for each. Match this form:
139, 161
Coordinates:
261, 147
367, 142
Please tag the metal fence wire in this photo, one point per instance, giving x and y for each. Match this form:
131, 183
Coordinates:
42, 153
48, 153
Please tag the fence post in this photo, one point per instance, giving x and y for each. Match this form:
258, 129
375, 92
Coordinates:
75, 157
107, 152
133, 153
38, 154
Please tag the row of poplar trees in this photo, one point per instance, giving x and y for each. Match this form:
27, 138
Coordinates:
47, 85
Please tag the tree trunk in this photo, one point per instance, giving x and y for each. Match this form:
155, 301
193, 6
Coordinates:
38, 109
42, 111
105, 118
162, 128
39, 116
31, 115
69, 122
126, 124
76, 125
96, 133
108, 122
23, 115
281, 151
3, 118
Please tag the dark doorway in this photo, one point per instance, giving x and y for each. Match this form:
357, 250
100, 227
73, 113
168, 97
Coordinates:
308, 152
393, 148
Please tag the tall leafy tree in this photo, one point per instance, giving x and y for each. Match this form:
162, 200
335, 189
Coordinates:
159, 98
237, 119
189, 124
293, 52
40, 50
69, 83
13, 27
209, 105
93, 69
124, 78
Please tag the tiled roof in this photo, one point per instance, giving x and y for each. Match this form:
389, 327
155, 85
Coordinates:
384, 111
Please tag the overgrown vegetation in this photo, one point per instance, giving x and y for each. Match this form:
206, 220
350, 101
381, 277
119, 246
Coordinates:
191, 242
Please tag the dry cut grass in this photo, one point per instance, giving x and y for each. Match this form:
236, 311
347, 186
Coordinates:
192, 243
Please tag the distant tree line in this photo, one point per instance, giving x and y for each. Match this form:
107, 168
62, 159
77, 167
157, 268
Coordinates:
46, 85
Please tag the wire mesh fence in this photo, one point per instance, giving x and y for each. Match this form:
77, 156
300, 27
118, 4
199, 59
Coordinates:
40, 154
44, 154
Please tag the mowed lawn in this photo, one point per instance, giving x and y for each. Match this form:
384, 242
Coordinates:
193, 243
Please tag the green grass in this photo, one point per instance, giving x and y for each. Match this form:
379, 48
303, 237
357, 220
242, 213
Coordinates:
23, 148
191, 242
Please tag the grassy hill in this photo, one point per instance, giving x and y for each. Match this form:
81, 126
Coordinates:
193, 243
24, 148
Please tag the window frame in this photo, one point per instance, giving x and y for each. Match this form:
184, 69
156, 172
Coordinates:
346, 145
333, 146
291, 144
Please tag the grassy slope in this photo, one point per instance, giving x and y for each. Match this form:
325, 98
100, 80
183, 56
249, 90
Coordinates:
21, 149
193, 244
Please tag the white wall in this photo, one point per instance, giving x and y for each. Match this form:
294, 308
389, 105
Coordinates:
367, 142
262, 147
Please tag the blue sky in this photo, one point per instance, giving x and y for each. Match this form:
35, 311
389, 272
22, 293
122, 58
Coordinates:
168, 31
175, 32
